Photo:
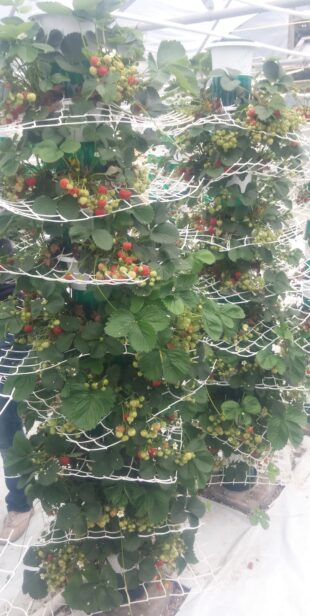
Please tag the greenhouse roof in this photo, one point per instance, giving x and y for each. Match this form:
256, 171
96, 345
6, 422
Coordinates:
271, 24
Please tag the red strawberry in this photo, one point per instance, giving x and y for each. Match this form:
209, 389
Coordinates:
127, 245
218, 163
100, 211
102, 189
159, 563
31, 181
121, 255
63, 183
238, 275
94, 61
213, 221
211, 230
145, 270
152, 452
75, 191
27, 329
57, 330
101, 202
133, 80
251, 113
102, 71
50, 557
124, 193
156, 383
277, 114
64, 460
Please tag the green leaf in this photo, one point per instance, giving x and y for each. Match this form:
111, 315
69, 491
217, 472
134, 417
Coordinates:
27, 53
68, 208
85, 408
263, 113
147, 569
70, 517
157, 502
229, 84
156, 317
142, 336
152, 366
213, 325
232, 311
44, 205
143, 213
64, 342
204, 256
31, 558
174, 304
47, 49
92, 331
103, 239
48, 151
89, 87
266, 359
23, 384
196, 506
22, 447
54, 8
48, 474
176, 365
119, 324
69, 324
231, 409
166, 233
185, 78
132, 542
287, 426
272, 70
251, 405
69, 146
170, 52
277, 432
279, 280
13, 31
33, 585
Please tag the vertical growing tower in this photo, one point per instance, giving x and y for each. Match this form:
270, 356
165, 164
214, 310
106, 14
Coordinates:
98, 349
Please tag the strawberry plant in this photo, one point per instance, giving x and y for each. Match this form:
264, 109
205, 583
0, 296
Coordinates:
243, 214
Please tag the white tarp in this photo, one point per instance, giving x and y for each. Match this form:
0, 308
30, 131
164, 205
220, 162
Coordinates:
266, 572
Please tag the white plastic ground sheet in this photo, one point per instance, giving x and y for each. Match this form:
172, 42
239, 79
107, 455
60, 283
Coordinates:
266, 572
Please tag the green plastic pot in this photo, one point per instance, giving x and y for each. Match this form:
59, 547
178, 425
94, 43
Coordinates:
239, 477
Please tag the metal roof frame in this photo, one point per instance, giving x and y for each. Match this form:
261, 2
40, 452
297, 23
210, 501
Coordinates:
178, 25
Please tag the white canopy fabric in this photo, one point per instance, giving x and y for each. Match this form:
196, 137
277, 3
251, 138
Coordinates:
171, 10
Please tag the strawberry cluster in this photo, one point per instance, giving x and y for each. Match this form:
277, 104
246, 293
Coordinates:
99, 200
17, 104
105, 64
127, 267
